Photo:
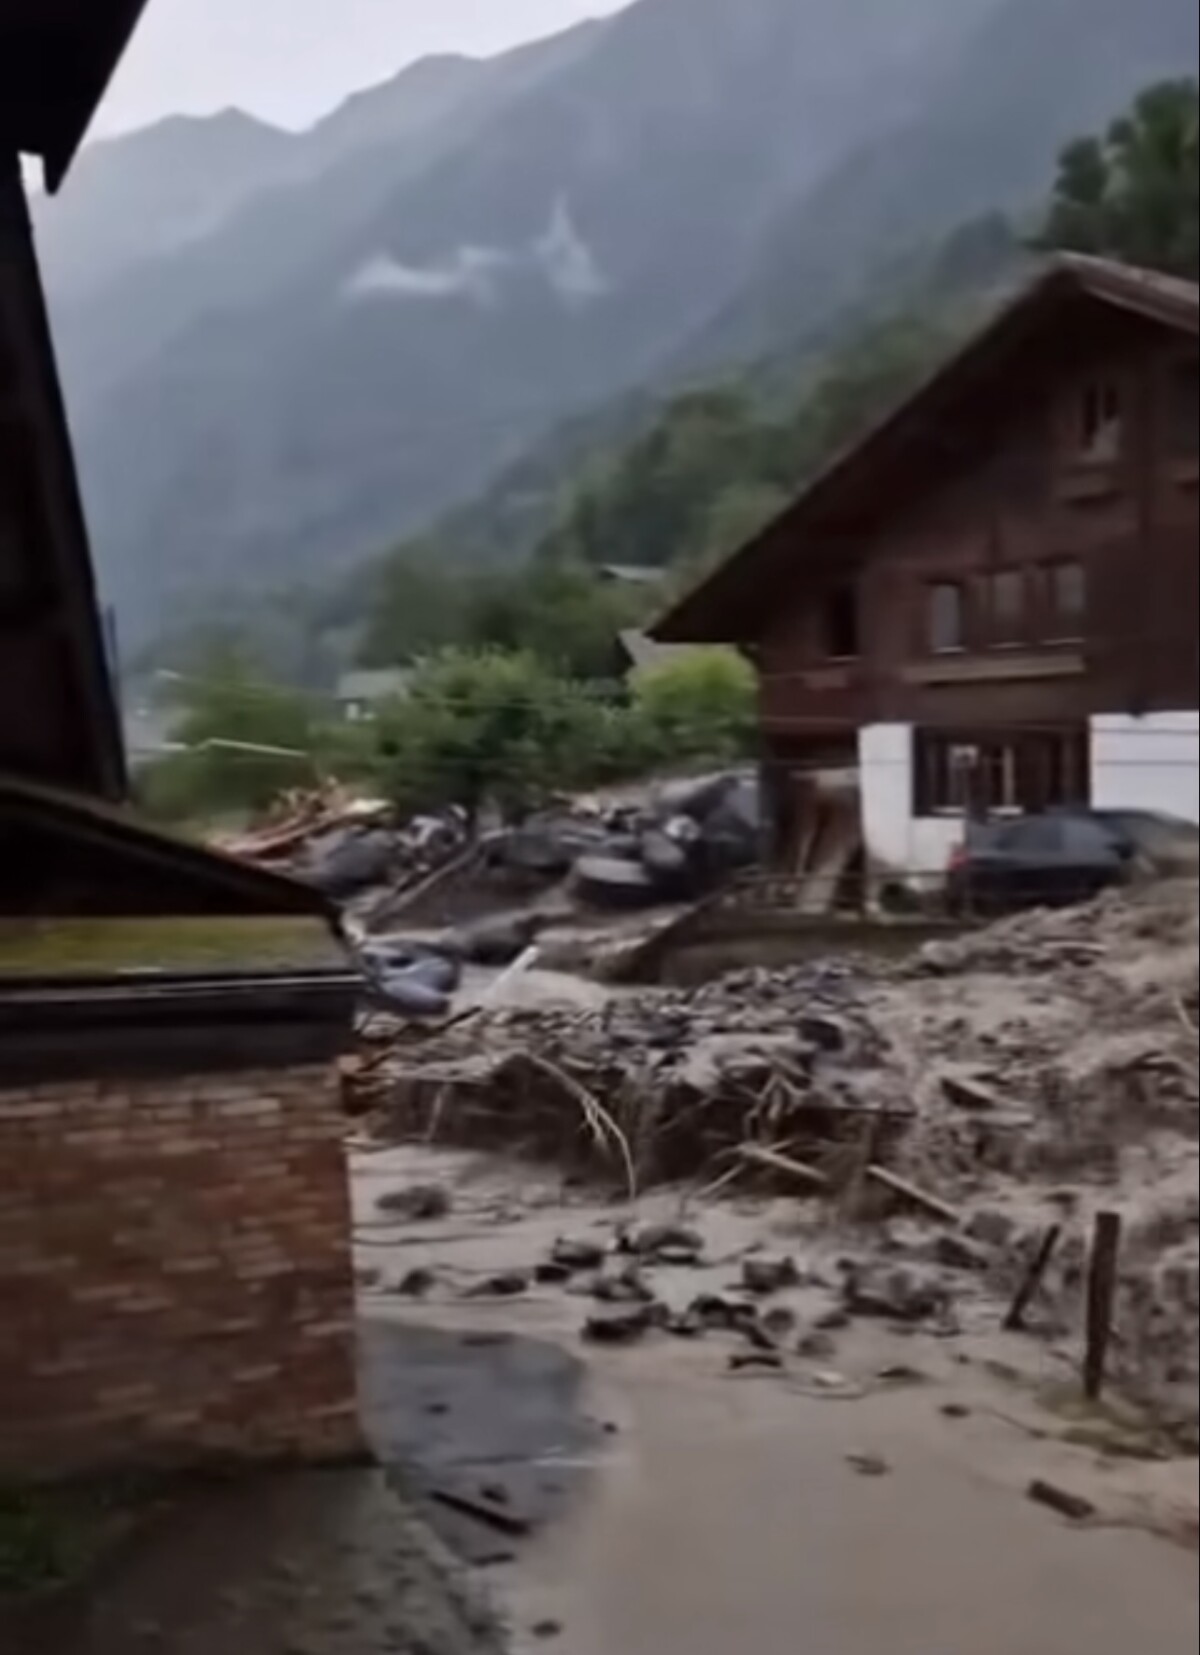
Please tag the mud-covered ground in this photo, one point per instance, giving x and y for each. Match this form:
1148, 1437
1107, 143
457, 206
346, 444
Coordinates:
867, 1497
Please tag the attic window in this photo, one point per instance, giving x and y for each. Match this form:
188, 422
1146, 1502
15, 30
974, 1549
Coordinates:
947, 618
1101, 422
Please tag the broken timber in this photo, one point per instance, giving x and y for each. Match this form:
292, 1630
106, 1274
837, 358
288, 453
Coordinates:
931, 1204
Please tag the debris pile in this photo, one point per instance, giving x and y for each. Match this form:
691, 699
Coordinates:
1022, 1077
666, 1086
652, 845
352, 849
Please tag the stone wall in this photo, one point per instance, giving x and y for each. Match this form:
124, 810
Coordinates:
176, 1283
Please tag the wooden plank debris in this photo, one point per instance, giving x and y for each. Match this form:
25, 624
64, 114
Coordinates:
931, 1204
771, 1159
1014, 1322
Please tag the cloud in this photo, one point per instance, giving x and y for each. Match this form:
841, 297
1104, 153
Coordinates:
559, 256
470, 273
567, 261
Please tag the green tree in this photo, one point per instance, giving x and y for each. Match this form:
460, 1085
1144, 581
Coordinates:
700, 704
488, 727
653, 502
239, 738
561, 612
1132, 194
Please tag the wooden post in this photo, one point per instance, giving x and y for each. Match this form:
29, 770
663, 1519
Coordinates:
1014, 1322
1101, 1293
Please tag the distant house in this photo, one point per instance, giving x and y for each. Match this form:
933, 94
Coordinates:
361, 694
989, 605
148, 735
639, 650
631, 574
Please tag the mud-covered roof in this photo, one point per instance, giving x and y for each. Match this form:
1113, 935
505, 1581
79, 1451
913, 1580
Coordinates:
56, 60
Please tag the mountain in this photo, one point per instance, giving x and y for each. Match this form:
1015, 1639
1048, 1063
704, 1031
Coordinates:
151, 194
116, 308
354, 350
347, 336
1034, 75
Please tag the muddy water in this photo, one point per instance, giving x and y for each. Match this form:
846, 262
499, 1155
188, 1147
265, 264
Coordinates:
723, 1512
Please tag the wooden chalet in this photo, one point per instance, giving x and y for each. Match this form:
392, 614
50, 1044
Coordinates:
990, 603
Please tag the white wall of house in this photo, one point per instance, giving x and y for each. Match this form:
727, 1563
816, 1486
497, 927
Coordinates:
1150, 763
895, 839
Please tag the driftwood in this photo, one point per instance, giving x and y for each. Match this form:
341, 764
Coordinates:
407, 895
489, 1512
1014, 1322
931, 1204
775, 1162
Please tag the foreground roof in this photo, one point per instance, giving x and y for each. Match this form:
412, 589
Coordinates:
58, 717
71, 857
56, 60
729, 604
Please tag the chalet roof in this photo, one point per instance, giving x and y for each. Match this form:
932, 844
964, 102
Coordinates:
728, 605
56, 60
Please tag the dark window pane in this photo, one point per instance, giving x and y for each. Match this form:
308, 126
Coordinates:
1068, 600
840, 623
1100, 422
1184, 413
1027, 771
1006, 606
946, 631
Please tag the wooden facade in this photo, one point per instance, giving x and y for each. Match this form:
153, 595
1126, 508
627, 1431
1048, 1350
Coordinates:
1047, 573
1011, 555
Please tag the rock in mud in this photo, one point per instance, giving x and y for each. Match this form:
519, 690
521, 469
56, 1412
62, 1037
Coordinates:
628, 1287
575, 1255
416, 1284
665, 1243
420, 1203
957, 1252
495, 942
620, 1327
507, 1284
817, 1346
993, 1229
903, 1295
764, 1276
1072, 1506
869, 1465
749, 1361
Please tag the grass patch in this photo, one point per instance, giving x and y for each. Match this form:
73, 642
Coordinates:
97, 947
50, 1538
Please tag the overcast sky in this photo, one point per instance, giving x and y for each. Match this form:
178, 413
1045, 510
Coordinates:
291, 60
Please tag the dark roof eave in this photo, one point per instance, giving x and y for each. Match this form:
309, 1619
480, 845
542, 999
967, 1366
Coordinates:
223, 884
62, 60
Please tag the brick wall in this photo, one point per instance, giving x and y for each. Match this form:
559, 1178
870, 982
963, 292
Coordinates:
176, 1282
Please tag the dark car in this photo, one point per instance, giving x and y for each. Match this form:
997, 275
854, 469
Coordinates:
1051, 860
